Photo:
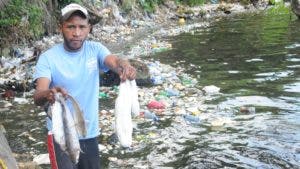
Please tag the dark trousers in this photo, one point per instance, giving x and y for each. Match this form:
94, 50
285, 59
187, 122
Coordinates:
88, 158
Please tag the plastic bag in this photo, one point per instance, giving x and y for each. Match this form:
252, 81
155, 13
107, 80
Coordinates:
126, 105
135, 106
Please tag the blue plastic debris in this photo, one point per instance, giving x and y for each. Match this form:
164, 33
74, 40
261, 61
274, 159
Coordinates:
149, 115
191, 119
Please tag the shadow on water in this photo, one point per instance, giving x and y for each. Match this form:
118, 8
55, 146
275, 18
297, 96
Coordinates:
255, 60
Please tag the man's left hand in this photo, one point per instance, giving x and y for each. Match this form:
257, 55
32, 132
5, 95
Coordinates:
125, 70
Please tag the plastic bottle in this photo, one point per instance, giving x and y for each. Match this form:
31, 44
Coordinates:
172, 92
156, 80
161, 95
149, 115
191, 119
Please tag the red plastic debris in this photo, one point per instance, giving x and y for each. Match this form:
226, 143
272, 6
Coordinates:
156, 105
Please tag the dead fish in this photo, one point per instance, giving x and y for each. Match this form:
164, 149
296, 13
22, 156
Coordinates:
56, 112
71, 135
65, 128
78, 117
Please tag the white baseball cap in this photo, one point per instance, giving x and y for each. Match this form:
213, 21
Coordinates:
69, 9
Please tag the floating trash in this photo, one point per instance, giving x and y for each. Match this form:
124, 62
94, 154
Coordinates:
156, 105
157, 80
103, 95
254, 60
248, 110
21, 100
172, 92
292, 46
191, 119
149, 115
211, 89
42, 159
181, 21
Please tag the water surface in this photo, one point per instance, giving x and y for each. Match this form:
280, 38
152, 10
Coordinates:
255, 61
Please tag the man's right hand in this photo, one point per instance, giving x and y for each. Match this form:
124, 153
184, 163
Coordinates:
45, 95
50, 95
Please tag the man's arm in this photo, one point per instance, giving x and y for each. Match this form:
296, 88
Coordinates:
43, 94
120, 66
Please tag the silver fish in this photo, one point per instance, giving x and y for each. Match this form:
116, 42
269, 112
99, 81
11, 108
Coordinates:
65, 128
78, 117
56, 112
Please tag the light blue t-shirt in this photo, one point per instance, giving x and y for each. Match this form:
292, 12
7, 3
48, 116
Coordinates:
78, 73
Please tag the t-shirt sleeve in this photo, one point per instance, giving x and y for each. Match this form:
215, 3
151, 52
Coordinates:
42, 68
103, 52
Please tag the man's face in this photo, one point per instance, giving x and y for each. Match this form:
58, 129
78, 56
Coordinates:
75, 30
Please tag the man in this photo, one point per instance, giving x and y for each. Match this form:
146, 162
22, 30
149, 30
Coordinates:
72, 67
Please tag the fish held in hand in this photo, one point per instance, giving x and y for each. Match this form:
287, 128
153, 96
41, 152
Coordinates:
56, 112
78, 117
67, 126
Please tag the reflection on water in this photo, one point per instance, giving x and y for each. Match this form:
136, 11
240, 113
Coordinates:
255, 61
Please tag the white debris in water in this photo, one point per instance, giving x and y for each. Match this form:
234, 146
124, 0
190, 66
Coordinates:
254, 60
221, 121
292, 46
43, 113
42, 159
101, 147
294, 60
209, 90
233, 71
7, 104
21, 100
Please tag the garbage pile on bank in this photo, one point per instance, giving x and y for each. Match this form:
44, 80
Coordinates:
173, 94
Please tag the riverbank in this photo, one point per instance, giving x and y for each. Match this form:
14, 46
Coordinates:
149, 40
137, 37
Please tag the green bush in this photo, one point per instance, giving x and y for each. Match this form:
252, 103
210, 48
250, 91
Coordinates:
149, 5
191, 2
20, 21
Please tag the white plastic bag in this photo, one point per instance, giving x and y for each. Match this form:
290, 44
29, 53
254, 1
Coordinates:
135, 106
126, 105
123, 121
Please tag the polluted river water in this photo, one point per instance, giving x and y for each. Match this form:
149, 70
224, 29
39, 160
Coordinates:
255, 61
251, 122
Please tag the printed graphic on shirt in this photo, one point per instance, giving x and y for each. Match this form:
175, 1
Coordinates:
91, 65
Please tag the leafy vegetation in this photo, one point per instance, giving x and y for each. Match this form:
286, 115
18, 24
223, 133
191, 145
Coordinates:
278, 8
149, 5
192, 2
19, 20
24, 20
